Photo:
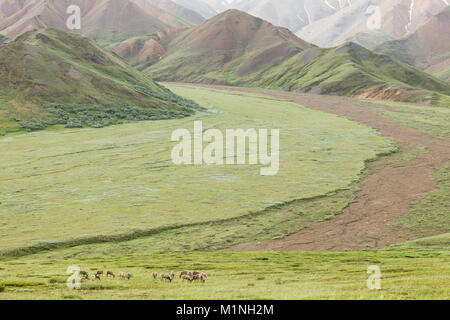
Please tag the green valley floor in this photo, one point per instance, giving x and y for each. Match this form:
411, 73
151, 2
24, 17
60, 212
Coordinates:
361, 183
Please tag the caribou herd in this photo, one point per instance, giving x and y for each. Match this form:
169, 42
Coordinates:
189, 276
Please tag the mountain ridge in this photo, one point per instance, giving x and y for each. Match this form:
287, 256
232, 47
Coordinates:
228, 36
329, 23
227, 49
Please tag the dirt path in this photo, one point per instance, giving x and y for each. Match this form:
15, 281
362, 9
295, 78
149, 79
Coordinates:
385, 194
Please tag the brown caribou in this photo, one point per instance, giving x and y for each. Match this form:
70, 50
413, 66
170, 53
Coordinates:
165, 277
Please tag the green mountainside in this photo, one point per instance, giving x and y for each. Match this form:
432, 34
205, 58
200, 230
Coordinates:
229, 49
52, 77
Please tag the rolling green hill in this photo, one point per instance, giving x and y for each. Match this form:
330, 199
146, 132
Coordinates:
237, 49
53, 77
443, 74
355, 71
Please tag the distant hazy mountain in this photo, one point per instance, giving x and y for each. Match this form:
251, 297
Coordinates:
198, 6
238, 49
327, 23
180, 11
292, 14
428, 48
397, 19
103, 20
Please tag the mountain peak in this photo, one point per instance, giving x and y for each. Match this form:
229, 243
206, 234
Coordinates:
235, 29
235, 12
237, 16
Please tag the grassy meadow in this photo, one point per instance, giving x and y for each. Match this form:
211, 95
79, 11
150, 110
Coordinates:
431, 215
60, 208
118, 183
418, 273
432, 121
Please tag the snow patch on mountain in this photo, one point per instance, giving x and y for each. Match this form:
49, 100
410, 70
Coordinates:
307, 14
411, 8
332, 22
329, 4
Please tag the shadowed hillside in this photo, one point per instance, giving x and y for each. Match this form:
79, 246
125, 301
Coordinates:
53, 77
144, 51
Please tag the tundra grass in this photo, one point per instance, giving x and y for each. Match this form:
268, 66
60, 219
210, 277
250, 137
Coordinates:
430, 120
441, 241
431, 215
91, 185
443, 74
273, 223
418, 273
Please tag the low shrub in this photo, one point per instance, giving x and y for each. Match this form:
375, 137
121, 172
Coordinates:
74, 123
33, 126
78, 116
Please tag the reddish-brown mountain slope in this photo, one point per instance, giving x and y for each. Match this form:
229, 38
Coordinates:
146, 50
236, 30
103, 20
231, 37
239, 49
